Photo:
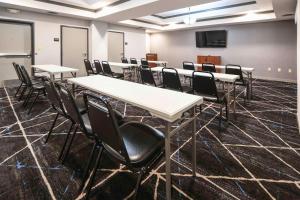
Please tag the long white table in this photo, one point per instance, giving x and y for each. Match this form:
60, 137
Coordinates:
122, 65
165, 104
55, 69
159, 62
227, 78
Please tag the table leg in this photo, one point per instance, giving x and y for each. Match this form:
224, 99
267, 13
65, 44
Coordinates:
61, 76
228, 96
194, 142
251, 96
234, 97
168, 160
52, 77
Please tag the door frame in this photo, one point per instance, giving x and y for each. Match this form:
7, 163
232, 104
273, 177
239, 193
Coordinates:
123, 40
61, 41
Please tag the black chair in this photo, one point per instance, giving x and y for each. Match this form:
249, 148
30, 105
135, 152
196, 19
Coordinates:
56, 103
124, 60
80, 121
171, 80
204, 84
137, 146
208, 67
33, 88
133, 61
108, 72
16, 67
144, 63
147, 76
188, 66
88, 67
98, 67
237, 70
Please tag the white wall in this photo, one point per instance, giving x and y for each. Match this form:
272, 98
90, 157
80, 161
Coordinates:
135, 39
260, 45
46, 28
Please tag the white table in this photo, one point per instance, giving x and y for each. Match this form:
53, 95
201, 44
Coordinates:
125, 66
165, 104
55, 69
227, 78
247, 70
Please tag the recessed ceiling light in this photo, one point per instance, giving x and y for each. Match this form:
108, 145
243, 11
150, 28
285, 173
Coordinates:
14, 11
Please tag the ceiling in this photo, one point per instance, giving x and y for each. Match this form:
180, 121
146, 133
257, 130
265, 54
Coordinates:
163, 15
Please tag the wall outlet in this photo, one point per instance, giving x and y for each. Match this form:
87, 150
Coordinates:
279, 69
269, 69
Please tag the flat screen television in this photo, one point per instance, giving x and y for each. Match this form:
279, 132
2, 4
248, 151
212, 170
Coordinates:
211, 39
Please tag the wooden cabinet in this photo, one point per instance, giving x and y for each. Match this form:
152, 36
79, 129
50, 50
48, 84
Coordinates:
209, 59
153, 57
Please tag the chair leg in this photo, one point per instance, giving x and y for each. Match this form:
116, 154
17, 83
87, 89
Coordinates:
227, 111
87, 167
22, 93
138, 184
66, 140
89, 184
31, 106
18, 89
28, 96
51, 129
69, 146
220, 119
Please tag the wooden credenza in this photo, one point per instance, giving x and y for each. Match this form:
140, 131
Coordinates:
216, 60
152, 57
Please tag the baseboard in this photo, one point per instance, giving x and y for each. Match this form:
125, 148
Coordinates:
275, 79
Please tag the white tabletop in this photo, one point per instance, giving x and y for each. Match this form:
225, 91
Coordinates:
54, 69
122, 65
163, 103
158, 61
245, 69
218, 76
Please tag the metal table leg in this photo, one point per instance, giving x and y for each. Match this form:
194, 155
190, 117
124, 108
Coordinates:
228, 96
168, 160
234, 97
251, 80
194, 161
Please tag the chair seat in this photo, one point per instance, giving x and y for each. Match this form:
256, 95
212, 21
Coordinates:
117, 75
221, 95
38, 86
143, 143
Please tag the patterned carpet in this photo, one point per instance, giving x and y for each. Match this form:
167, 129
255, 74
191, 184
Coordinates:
256, 156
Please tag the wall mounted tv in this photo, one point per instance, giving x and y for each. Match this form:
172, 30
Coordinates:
211, 39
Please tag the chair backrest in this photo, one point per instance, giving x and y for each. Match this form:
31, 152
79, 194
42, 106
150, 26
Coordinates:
171, 79
208, 67
53, 96
133, 61
98, 66
147, 76
188, 65
106, 68
204, 83
88, 67
236, 70
17, 71
144, 63
124, 60
25, 75
104, 124
71, 107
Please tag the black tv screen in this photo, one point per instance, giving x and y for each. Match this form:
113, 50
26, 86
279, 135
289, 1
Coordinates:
211, 39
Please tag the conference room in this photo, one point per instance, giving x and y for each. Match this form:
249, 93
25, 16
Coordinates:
156, 99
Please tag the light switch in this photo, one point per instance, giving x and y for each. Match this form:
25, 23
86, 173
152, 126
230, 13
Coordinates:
269, 69
279, 69
290, 70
